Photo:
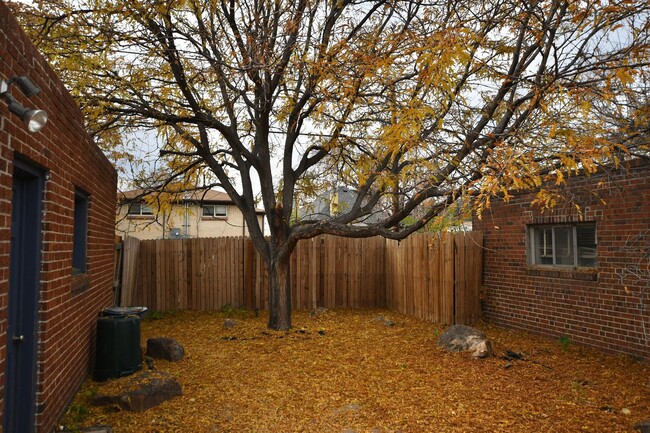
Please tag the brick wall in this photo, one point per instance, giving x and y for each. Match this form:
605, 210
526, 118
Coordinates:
68, 306
595, 307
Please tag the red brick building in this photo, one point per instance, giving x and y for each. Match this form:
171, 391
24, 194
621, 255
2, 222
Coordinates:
57, 214
580, 270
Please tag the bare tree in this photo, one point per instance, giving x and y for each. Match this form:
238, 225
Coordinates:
413, 104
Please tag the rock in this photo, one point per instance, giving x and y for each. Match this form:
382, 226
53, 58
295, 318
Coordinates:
643, 426
348, 408
318, 311
384, 321
230, 323
460, 338
626, 411
164, 348
511, 354
143, 391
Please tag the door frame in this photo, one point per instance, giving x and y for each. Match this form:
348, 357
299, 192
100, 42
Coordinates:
19, 414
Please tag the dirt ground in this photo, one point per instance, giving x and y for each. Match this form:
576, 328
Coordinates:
347, 372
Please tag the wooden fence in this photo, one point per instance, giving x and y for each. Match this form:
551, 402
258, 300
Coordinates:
433, 277
436, 278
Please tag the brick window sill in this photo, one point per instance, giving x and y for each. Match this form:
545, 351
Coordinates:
80, 282
214, 218
140, 217
583, 274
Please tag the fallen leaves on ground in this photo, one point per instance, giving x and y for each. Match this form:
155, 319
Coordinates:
346, 371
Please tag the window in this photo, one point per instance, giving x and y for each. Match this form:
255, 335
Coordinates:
562, 245
140, 209
215, 210
80, 239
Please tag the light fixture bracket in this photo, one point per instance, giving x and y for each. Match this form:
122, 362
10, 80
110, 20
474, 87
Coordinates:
34, 119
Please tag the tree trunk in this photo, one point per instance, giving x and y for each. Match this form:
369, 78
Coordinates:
279, 294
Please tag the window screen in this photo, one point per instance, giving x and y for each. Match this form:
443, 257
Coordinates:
563, 245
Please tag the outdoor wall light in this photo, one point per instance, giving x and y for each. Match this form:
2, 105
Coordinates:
35, 119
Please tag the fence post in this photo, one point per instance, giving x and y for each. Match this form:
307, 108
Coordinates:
130, 259
249, 299
454, 240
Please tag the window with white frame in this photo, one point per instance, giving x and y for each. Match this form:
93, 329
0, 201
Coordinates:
140, 209
215, 210
571, 245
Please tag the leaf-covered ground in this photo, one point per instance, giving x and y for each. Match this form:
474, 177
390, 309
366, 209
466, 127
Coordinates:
346, 371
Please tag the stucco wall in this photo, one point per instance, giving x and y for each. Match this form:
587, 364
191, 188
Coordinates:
150, 227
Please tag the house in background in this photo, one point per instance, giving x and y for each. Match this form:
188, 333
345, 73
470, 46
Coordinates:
198, 214
336, 202
581, 269
57, 240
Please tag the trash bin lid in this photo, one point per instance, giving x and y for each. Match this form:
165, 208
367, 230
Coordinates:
124, 311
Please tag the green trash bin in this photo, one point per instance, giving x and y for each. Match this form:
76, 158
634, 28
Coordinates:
118, 345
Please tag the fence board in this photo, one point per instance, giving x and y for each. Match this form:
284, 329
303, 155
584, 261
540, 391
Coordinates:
341, 277
211, 267
130, 253
161, 270
329, 251
469, 271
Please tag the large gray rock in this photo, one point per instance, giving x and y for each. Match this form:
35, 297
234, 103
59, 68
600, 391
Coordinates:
164, 348
316, 312
384, 321
643, 426
230, 323
143, 391
461, 338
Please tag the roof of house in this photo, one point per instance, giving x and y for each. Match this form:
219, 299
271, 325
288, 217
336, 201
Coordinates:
204, 196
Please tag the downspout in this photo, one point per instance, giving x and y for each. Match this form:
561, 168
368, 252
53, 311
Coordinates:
199, 215
164, 234
187, 222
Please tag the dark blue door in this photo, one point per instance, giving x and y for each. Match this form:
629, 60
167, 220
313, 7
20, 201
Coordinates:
24, 278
